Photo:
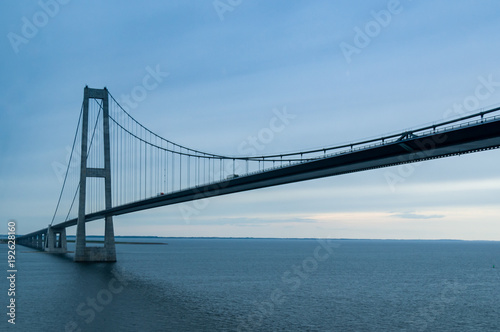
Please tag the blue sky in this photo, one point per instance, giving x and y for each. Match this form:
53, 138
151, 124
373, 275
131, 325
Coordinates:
230, 64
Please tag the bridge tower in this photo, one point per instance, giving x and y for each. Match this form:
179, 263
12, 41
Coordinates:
107, 253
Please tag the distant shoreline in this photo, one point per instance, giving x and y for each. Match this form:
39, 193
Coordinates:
119, 242
98, 239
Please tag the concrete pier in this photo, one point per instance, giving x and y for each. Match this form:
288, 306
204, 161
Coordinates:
56, 241
34, 240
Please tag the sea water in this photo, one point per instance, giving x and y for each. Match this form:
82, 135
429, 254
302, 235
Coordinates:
262, 285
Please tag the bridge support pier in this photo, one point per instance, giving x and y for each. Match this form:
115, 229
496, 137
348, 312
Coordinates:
56, 241
107, 253
34, 240
39, 242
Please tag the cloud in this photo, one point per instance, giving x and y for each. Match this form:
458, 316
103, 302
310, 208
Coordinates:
410, 215
226, 78
267, 221
249, 221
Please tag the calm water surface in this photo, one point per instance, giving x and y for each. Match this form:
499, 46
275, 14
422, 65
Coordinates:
263, 285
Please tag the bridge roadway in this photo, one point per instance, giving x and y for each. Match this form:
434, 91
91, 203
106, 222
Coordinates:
411, 146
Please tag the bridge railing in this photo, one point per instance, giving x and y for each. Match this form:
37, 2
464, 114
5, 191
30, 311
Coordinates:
315, 154
312, 155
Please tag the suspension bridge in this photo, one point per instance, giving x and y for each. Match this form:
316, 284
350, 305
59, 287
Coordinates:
118, 166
